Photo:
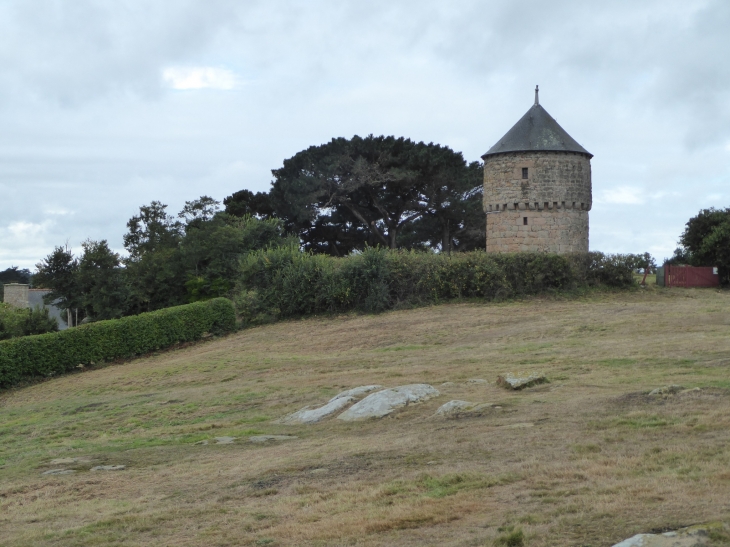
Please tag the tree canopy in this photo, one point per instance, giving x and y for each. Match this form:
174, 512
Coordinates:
349, 193
706, 241
172, 260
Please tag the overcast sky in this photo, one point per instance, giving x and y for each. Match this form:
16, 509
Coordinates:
108, 105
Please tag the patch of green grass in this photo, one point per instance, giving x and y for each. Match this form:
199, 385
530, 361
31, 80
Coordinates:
644, 422
718, 536
410, 347
511, 538
586, 448
444, 485
617, 362
592, 328
527, 348
448, 485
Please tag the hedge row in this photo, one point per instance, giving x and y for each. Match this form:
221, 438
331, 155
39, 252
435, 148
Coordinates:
285, 282
55, 353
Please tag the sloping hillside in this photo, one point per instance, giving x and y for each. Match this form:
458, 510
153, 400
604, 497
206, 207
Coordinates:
588, 459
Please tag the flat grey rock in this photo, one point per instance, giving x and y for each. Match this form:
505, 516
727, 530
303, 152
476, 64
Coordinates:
476, 381
309, 415
694, 536
666, 390
267, 438
65, 461
462, 409
224, 440
108, 467
516, 383
357, 392
58, 472
382, 403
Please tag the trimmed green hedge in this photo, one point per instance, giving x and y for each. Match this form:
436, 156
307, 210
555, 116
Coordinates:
55, 353
285, 282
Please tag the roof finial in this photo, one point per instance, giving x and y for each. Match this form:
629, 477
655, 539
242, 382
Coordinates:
537, 99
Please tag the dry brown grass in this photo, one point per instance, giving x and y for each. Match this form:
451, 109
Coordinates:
588, 459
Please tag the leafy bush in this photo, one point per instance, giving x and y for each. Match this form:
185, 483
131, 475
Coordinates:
15, 322
56, 353
512, 537
286, 282
706, 242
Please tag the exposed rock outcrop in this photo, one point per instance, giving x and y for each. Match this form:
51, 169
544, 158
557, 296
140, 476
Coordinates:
462, 409
309, 415
516, 383
387, 401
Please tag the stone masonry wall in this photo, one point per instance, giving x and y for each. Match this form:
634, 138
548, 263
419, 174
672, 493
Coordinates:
554, 198
557, 231
555, 180
16, 295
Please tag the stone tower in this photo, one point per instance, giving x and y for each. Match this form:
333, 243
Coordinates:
537, 188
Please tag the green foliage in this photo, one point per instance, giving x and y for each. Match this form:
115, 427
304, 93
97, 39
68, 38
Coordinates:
611, 270
286, 282
512, 537
209, 254
15, 322
246, 203
151, 230
15, 275
349, 193
706, 242
58, 272
170, 263
55, 353
100, 280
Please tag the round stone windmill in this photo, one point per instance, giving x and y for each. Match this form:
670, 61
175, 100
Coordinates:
537, 188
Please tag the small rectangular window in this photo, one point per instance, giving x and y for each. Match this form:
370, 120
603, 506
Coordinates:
524, 172
524, 221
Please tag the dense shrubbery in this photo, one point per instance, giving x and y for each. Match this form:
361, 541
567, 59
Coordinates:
170, 262
286, 282
16, 322
56, 353
706, 242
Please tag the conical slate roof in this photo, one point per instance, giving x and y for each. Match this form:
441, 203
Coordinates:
536, 130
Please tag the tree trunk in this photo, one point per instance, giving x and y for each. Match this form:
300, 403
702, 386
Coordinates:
446, 239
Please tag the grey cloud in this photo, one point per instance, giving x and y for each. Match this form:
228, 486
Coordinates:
73, 51
88, 129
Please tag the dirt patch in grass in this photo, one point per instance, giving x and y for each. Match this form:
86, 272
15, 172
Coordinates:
588, 459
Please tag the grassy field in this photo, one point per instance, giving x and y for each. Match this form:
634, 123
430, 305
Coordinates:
586, 460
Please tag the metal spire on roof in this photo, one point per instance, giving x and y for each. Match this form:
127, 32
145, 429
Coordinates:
537, 99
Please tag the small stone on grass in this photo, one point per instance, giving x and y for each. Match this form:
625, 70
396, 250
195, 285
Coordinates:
666, 390
224, 440
63, 461
267, 438
108, 467
462, 409
517, 383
